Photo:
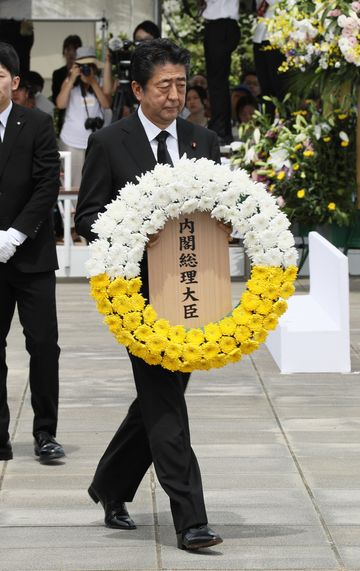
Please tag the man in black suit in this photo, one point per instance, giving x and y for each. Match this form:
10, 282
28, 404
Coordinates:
156, 427
29, 184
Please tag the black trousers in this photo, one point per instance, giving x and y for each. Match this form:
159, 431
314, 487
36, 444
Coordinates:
156, 429
267, 62
34, 295
220, 40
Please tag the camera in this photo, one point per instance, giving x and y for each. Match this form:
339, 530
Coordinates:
94, 123
120, 56
85, 69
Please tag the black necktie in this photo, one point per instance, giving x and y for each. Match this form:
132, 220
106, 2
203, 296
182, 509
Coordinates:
163, 155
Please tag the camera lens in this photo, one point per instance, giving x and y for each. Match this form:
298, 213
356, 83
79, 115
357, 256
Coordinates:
85, 69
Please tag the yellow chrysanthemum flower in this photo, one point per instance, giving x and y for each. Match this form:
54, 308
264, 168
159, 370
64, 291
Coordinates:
271, 321
265, 307
121, 304
241, 316
345, 143
161, 327
143, 333
134, 285
171, 364
173, 350
249, 346
235, 355
125, 338
137, 302
137, 349
256, 322
227, 344
100, 281
114, 322
104, 306
255, 285
117, 287
210, 349
271, 292
259, 272
191, 352
156, 344
300, 193
212, 332
290, 273
177, 334
132, 320
260, 336
250, 301
149, 315
326, 139
154, 359
331, 206
227, 326
286, 290
280, 307
281, 175
242, 333
295, 167
195, 336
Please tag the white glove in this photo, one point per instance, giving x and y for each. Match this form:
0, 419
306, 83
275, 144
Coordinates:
9, 240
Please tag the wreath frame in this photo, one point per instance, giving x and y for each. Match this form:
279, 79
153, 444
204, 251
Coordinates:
114, 266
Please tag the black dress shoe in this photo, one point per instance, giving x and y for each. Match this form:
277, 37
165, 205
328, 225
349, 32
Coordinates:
6, 451
47, 448
116, 514
197, 538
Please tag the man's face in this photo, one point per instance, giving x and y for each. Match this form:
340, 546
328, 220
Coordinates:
8, 85
69, 55
163, 97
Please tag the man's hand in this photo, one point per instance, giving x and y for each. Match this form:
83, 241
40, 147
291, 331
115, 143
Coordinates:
7, 246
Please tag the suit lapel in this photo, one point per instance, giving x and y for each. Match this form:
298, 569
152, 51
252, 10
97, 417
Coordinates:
138, 145
187, 140
13, 127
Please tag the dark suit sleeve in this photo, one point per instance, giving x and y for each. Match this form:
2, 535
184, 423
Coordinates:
45, 177
96, 189
214, 153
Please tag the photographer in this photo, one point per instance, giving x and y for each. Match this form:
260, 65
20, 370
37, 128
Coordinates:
118, 56
85, 103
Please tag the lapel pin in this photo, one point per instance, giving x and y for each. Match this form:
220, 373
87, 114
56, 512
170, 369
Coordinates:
193, 145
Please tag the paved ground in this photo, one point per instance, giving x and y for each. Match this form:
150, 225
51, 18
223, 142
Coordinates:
280, 457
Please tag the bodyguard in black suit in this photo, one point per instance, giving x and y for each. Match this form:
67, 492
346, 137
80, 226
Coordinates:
29, 184
156, 428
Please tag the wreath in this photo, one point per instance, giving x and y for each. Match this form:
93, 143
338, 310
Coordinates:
142, 209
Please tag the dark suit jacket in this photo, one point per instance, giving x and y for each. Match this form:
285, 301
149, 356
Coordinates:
121, 152
29, 185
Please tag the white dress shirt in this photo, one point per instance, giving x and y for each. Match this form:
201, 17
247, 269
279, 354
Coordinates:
216, 9
152, 132
260, 31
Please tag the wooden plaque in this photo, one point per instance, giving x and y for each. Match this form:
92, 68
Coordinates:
189, 271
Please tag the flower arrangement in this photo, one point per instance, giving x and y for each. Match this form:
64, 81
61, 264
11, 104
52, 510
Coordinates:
318, 34
306, 159
142, 209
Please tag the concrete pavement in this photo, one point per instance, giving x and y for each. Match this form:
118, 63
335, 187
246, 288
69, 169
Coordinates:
279, 454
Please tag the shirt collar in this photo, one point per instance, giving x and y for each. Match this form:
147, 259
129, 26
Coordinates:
4, 115
152, 130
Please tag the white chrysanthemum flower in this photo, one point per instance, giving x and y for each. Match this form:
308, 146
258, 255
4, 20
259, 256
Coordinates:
104, 225
286, 240
206, 203
173, 210
259, 221
94, 267
99, 248
131, 270
249, 207
290, 257
189, 206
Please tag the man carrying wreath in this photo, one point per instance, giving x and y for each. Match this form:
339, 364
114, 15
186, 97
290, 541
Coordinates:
156, 428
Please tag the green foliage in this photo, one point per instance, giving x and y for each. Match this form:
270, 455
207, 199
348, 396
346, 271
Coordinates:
305, 158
